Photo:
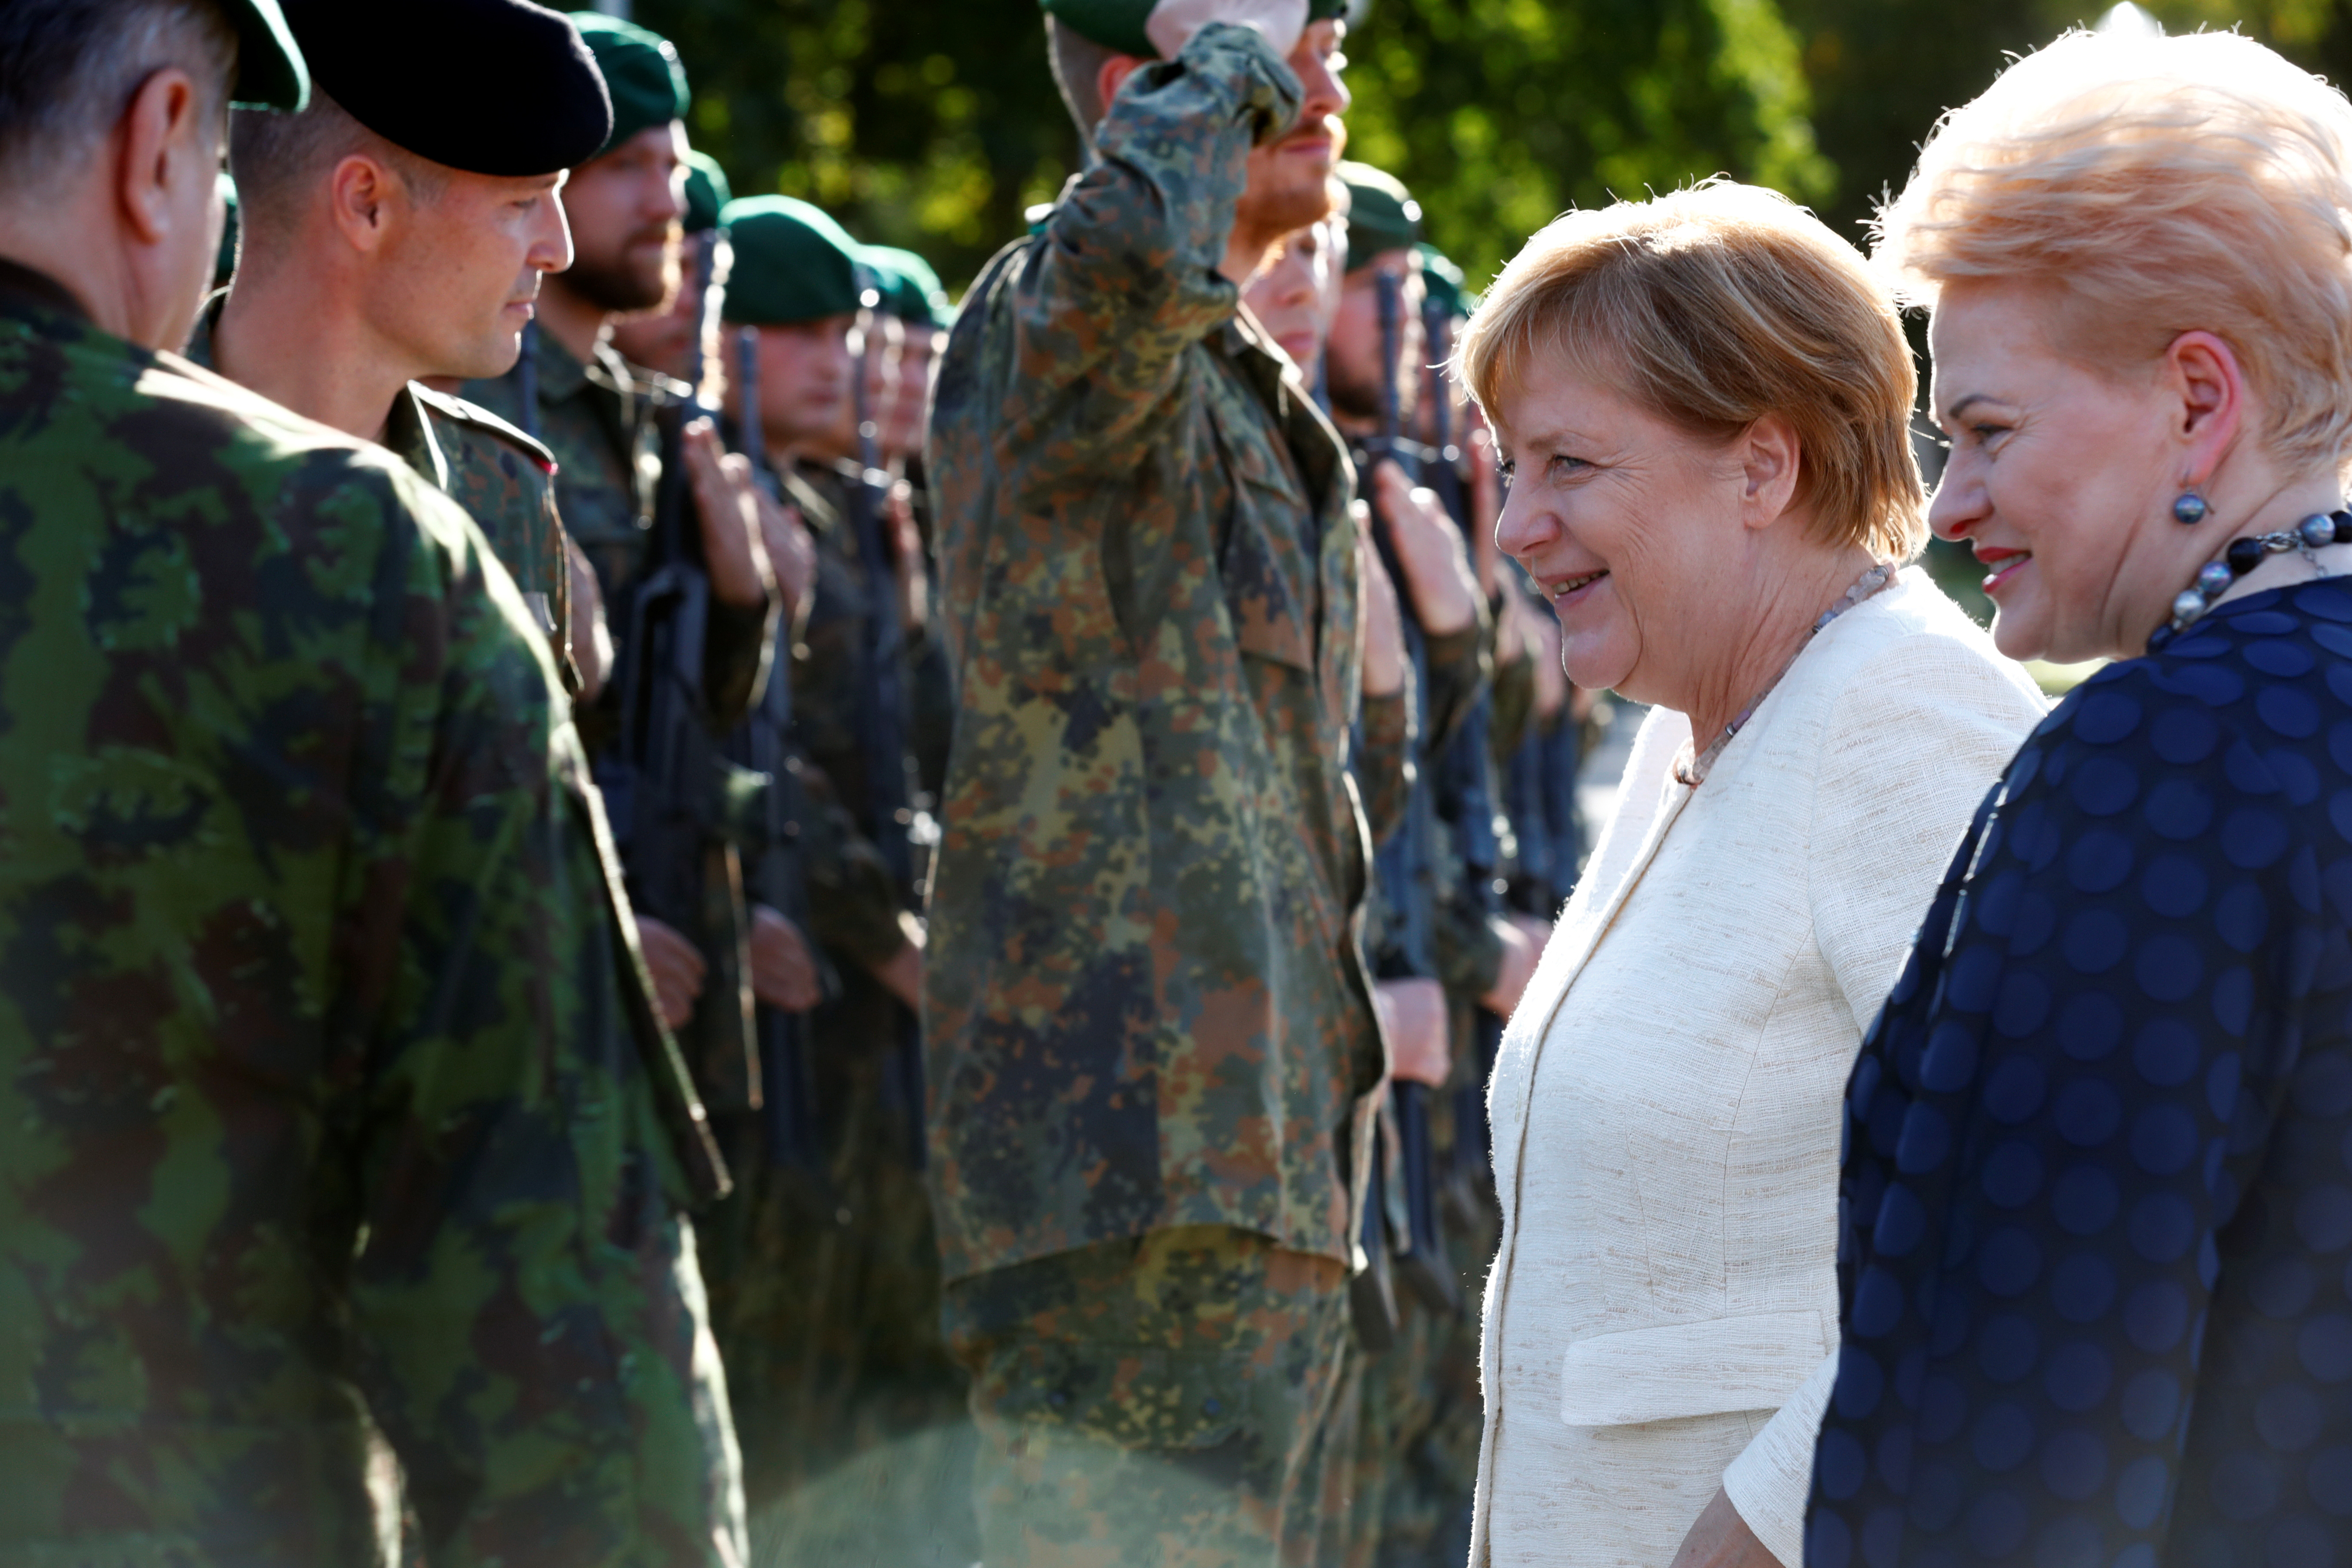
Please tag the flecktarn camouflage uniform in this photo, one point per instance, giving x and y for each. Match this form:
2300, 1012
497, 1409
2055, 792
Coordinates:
1147, 1010
333, 1095
598, 419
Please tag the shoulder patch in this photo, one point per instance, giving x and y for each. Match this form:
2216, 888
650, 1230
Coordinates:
473, 415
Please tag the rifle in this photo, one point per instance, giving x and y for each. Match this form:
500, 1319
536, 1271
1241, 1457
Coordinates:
1464, 781
1403, 865
657, 775
882, 714
763, 744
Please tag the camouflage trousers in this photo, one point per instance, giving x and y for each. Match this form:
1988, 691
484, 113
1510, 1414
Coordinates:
1163, 1400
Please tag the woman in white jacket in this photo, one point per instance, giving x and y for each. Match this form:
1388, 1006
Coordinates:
1704, 402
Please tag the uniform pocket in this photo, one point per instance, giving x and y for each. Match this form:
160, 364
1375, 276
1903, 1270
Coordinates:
1138, 1397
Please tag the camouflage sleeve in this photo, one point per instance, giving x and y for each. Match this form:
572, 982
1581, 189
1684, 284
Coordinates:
1514, 710
1469, 953
1384, 766
1460, 665
853, 907
527, 1321
1125, 277
736, 639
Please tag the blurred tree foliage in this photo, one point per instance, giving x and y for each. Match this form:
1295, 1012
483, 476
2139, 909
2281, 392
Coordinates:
934, 125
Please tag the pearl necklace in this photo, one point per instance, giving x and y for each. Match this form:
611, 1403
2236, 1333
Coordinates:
2215, 578
1693, 774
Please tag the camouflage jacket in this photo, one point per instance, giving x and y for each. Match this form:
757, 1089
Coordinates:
1147, 1002
602, 421
331, 1105
504, 480
599, 422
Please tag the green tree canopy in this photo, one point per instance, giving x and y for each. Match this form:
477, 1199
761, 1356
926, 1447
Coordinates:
934, 125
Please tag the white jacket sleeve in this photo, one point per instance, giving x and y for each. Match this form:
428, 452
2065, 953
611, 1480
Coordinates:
1918, 736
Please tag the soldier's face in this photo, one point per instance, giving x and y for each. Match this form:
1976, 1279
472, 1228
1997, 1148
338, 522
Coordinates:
663, 339
1353, 359
804, 370
910, 399
1292, 297
1289, 178
627, 208
460, 284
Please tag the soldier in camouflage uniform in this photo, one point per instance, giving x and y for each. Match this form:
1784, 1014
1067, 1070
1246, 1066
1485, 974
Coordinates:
856, 1434
1419, 1409
1152, 1035
598, 416
339, 1125
437, 286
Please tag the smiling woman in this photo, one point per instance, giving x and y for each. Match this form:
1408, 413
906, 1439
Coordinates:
1702, 403
2094, 1301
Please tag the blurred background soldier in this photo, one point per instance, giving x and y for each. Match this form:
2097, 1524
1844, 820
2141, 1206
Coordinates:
621, 462
860, 1448
334, 1160
1155, 1045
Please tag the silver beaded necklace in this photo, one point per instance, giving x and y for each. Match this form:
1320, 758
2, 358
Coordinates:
1693, 772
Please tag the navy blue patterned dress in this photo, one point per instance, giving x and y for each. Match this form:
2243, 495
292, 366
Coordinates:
2096, 1208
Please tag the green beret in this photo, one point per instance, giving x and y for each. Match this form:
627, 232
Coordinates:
706, 192
1445, 282
1382, 214
270, 70
641, 71
792, 263
1119, 24
910, 290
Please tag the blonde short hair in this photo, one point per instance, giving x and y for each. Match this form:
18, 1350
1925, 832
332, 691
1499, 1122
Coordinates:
2162, 185
1712, 308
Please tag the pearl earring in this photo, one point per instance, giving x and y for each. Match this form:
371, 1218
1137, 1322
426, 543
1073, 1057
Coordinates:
2189, 507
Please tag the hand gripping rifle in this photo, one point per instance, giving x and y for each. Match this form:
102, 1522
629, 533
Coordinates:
657, 777
881, 712
1405, 865
763, 744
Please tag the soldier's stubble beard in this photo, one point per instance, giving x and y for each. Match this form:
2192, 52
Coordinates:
624, 281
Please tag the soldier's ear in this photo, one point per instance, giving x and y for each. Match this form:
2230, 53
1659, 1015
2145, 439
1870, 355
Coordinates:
359, 201
163, 143
1112, 75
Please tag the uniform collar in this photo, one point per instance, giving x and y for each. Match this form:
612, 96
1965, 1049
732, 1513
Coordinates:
408, 436
25, 285
407, 433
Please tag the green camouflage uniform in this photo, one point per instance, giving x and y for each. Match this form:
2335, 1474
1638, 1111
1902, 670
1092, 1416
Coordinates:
504, 480
336, 1103
826, 1299
599, 422
1146, 995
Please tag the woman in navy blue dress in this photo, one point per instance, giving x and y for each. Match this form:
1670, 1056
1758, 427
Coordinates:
2097, 1206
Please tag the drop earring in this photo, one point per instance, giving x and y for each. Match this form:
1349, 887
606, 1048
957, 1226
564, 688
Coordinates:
2189, 507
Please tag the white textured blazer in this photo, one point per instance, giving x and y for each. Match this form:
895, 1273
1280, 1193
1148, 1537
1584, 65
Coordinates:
1662, 1317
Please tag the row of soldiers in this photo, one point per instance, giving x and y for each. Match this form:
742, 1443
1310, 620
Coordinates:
474, 734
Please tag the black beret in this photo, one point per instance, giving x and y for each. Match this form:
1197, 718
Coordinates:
491, 87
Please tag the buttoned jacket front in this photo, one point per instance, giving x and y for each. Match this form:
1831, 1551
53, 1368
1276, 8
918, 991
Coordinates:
1662, 1318
1146, 1004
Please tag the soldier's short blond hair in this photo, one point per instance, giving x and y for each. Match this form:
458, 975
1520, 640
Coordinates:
2158, 186
1712, 308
